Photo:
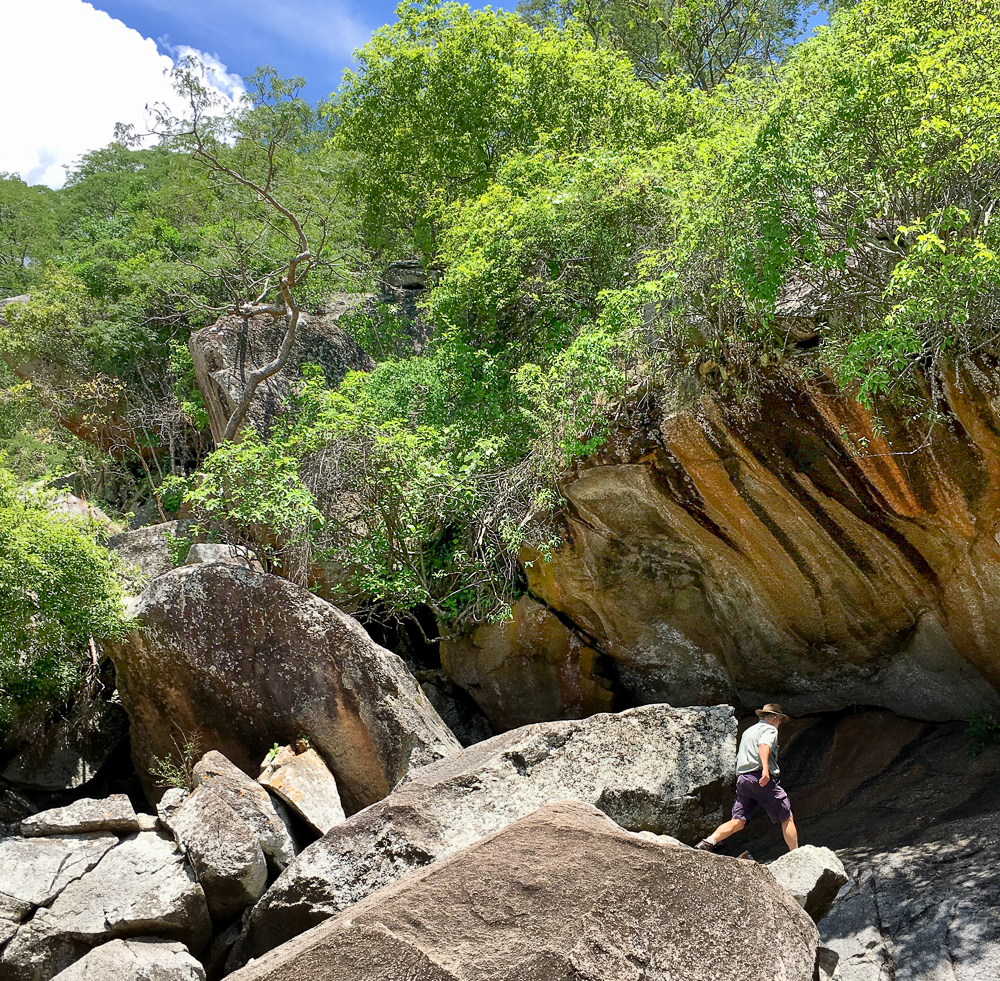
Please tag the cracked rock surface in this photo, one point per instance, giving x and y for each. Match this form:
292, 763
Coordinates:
562, 894
652, 768
114, 814
35, 871
141, 886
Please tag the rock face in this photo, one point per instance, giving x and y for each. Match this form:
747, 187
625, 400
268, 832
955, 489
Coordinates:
35, 871
149, 548
225, 353
813, 876
140, 887
249, 801
784, 552
223, 852
530, 669
304, 783
652, 768
114, 814
215, 552
561, 894
244, 660
923, 912
146, 959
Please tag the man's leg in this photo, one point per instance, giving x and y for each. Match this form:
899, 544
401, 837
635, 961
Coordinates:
722, 832
790, 832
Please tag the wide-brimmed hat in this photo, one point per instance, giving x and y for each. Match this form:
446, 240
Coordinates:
772, 708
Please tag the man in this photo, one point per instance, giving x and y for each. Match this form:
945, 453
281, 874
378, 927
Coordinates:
757, 782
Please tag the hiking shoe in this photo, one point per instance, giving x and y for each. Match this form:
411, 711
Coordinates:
705, 846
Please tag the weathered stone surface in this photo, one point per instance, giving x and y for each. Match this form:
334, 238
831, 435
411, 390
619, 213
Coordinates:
246, 660
227, 351
68, 752
758, 554
149, 548
147, 822
140, 887
114, 814
562, 894
249, 801
651, 768
223, 851
826, 964
529, 669
304, 783
216, 552
170, 802
36, 870
145, 959
13, 912
813, 876
456, 707
927, 911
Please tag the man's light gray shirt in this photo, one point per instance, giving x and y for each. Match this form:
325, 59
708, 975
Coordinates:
748, 757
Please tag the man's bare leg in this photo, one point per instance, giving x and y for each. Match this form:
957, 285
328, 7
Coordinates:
723, 831
790, 832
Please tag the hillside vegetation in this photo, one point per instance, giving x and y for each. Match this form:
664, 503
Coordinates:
623, 207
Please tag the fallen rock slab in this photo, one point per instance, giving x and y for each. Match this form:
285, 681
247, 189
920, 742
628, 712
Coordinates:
245, 660
304, 783
250, 801
145, 959
36, 870
562, 894
114, 814
652, 768
813, 876
223, 851
140, 887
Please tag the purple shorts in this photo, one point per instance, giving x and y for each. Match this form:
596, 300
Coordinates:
749, 793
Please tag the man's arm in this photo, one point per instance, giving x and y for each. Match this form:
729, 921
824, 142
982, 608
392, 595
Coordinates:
765, 756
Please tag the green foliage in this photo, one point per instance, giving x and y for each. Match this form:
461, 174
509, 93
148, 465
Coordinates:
177, 769
445, 95
983, 730
58, 590
28, 232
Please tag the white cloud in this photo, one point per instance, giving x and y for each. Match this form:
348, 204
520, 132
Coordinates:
68, 74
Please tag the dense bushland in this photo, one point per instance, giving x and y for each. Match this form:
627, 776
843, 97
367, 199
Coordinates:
623, 204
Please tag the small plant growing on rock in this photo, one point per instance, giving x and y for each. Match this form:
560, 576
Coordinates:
178, 770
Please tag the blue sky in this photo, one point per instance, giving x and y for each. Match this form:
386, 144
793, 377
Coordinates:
311, 38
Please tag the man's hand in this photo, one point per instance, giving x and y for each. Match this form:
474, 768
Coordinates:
765, 778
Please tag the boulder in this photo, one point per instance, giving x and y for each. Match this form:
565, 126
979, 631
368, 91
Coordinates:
114, 814
13, 912
144, 959
304, 783
926, 911
246, 660
652, 768
36, 870
223, 851
202, 552
140, 887
227, 351
249, 801
149, 548
826, 964
169, 803
813, 876
562, 894
68, 752
531, 668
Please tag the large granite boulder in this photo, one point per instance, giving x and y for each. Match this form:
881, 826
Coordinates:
652, 768
227, 351
223, 851
813, 876
793, 548
244, 660
34, 871
144, 959
562, 894
140, 887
